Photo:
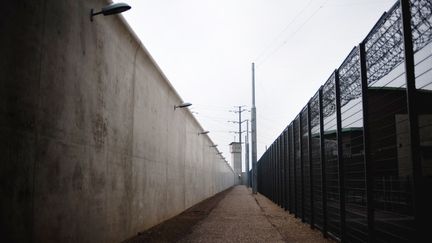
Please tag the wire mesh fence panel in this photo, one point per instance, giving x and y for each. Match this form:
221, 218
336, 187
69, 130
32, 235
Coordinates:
421, 25
316, 162
352, 149
304, 136
289, 168
331, 160
388, 129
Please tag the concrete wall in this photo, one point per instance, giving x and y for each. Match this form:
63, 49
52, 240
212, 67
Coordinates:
91, 147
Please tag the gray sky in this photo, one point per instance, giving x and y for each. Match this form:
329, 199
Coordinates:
206, 47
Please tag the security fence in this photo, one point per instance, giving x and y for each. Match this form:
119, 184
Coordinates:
356, 163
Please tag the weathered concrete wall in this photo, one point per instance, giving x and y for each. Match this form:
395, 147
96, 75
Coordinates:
91, 147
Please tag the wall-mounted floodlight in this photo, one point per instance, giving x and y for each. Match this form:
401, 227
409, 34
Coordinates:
182, 105
203, 132
113, 8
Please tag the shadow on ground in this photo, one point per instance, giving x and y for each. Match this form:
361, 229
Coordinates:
176, 228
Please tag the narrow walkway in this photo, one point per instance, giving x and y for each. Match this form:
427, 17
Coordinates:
242, 217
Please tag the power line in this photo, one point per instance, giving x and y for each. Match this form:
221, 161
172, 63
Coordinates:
283, 30
291, 35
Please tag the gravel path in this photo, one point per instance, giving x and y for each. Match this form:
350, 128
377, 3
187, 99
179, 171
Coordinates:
242, 217
234, 215
291, 228
237, 218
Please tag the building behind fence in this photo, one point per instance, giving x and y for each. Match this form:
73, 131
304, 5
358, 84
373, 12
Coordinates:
356, 162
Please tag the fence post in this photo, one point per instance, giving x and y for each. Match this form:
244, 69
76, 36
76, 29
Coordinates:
273, 173
279, 171
366, 149
286, 169
294, 171
323, 177
413, 117
282, 163
310, 165
290, 203
301, 167
340, 156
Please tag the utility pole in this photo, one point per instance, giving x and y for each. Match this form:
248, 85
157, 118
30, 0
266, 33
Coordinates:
254, 137
239, 111
247, 153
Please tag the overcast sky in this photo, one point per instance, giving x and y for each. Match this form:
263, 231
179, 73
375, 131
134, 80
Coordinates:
206, 47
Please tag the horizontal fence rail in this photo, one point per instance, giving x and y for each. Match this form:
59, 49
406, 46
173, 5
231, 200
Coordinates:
356, 163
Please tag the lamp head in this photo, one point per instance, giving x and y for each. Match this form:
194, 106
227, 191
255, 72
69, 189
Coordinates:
113, 8
182, 105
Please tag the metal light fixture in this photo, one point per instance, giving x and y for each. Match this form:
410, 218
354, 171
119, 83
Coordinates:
203, 132
182, 105
113, 8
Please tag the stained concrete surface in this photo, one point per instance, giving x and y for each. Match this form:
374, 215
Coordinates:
92, 148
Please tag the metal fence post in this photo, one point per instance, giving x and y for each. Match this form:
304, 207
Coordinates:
411, 93
340, 156
366, 149
310, 165
282, 171
294, 171
323, 177
301, 167
278, 172
286, 169
273, 174
290, 197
